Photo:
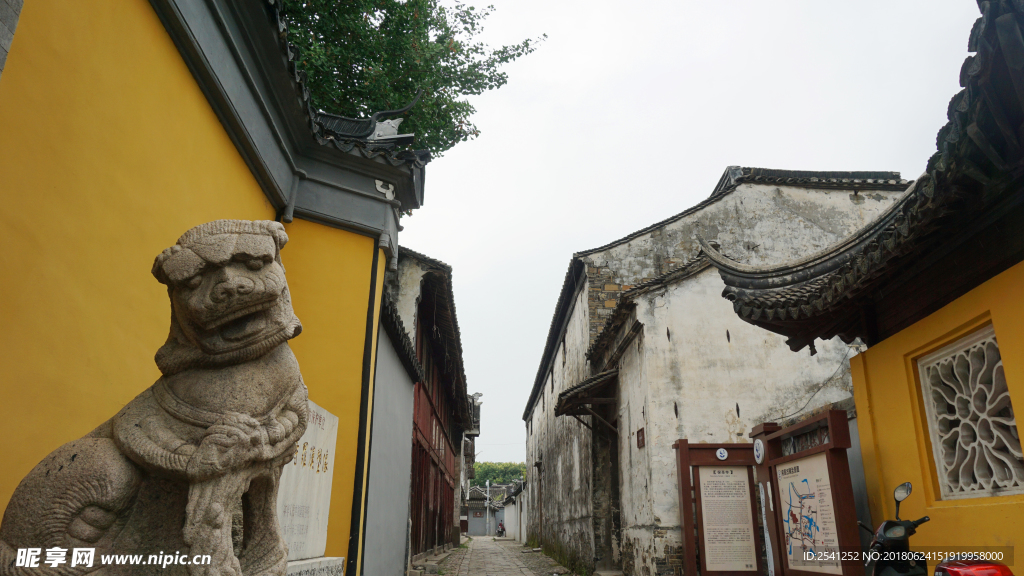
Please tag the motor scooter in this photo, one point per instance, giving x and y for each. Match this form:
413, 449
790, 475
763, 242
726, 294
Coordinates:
890, 555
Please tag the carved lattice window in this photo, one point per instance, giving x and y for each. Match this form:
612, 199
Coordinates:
974, 435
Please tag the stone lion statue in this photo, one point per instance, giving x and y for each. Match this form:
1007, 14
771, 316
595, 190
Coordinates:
192, 464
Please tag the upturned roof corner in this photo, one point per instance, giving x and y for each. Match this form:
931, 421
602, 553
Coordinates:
965, 203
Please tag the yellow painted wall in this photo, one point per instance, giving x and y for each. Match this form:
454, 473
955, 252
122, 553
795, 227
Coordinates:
334, 269
894, 432
108, 152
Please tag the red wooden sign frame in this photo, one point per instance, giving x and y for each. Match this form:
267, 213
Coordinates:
697, 455
834, 423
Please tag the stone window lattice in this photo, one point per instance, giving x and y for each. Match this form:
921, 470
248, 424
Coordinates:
974, 434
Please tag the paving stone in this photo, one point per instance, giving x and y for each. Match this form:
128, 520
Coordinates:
487, 557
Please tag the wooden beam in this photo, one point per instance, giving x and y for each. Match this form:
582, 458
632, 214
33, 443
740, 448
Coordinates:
598, 416
582, 422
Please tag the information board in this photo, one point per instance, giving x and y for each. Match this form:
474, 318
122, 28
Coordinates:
808, 514
728, 528
304, 496
717, 509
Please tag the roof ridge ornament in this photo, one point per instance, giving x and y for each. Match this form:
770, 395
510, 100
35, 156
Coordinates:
371, 129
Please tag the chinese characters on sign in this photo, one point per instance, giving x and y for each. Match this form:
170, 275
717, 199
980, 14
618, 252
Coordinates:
304, 498
728, 528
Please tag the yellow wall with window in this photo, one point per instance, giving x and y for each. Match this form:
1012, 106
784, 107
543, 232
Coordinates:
108, 152
895, 440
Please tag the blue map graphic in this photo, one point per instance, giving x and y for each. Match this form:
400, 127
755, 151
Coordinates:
801, 522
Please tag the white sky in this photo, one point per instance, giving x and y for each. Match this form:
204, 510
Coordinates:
630, 112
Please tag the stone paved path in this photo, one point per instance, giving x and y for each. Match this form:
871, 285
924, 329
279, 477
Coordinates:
485, 557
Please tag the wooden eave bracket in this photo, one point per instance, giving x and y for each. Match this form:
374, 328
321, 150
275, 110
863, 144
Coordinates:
602, 420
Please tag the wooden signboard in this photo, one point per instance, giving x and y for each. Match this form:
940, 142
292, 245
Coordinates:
722, 490
810, 516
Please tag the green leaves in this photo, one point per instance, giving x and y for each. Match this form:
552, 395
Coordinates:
363, 56
497, 472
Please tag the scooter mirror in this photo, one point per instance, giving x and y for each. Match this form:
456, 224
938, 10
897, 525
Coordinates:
902, 491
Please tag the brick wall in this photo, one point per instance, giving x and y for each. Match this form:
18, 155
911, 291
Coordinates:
603, 297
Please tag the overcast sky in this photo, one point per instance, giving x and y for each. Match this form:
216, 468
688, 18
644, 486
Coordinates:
630, 112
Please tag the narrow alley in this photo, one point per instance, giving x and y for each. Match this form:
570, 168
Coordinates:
486, 556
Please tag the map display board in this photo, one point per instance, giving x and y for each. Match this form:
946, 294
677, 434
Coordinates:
728, 526
808, 514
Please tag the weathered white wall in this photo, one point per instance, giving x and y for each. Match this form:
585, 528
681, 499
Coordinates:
511, 519
690, 384
755, 224
637, 545
407, 292
707, 376
565, 525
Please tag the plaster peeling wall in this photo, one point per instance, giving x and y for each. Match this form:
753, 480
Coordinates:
755, 224
706, 376
565, 525
639, 548
687, 385
405, 290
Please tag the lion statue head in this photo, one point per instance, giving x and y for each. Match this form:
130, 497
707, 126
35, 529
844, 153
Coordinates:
229, 297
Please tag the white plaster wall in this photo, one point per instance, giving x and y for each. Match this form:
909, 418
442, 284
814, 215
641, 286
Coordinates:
511, 519
410, 275
637, 546
563, 444
387, 506
707, 376
755, 224
689, 385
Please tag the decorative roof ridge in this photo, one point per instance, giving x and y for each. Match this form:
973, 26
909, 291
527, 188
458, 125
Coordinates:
812, 261
976, 169
383, 151
395, 330
736, 175
814, 290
